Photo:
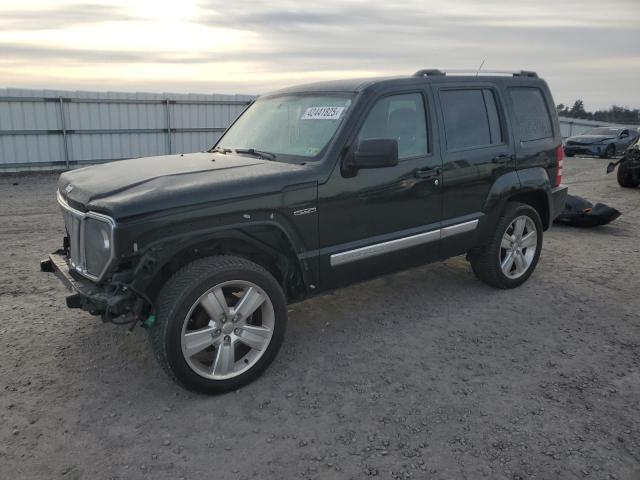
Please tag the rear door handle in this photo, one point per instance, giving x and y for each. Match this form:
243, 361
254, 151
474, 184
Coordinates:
427, 173
502, 158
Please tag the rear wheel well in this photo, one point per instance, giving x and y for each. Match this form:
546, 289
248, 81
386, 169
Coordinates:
538, 200
265, 246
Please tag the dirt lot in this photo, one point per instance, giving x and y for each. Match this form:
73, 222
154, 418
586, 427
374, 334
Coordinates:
424, 374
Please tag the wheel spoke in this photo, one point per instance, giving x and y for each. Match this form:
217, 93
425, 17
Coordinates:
225, 359
254, 337
529, 240
249, 303
215, 304
518, 228
521, 264
197, 340
507, 263
506, 241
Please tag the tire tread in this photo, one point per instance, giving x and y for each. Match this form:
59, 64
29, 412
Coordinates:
625, 178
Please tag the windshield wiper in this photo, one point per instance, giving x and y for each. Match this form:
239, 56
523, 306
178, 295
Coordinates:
258, 153
220, 150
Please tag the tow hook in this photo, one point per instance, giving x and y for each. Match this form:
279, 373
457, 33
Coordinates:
74, 301
46, 265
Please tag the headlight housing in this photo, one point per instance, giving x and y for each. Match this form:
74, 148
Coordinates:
97, 245
91, 249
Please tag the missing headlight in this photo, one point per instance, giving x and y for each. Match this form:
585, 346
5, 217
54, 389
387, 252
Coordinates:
97, 245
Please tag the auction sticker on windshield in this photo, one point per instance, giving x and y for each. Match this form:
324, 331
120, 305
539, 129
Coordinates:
322, 113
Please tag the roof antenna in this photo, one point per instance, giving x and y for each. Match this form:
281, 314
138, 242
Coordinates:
480, 67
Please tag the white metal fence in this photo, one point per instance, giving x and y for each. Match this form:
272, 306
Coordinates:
51, 130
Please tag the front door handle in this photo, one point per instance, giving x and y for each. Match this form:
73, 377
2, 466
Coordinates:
427, 173
502, 158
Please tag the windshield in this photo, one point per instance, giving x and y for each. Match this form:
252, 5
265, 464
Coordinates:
603, 131
288, 126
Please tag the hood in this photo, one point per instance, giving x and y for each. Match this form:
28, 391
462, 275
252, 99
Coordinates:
587, 139
142, 185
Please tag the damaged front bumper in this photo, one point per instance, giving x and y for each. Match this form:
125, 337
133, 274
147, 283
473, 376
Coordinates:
585, 149
97, 299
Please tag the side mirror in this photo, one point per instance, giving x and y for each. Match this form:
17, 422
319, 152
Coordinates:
374, 153
624, 135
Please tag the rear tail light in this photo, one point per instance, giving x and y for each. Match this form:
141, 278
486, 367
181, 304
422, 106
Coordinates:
559, 164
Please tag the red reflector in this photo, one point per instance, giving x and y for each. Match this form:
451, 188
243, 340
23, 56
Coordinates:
559, 164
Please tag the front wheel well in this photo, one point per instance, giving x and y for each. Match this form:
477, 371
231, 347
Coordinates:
267, 247
538, 200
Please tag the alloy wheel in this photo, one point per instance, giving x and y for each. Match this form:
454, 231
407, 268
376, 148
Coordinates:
518, 247
227, 330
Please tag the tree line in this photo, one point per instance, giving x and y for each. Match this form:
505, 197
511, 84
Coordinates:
615, 113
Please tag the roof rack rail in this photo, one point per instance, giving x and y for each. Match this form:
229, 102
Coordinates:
439, 73
526, 73
429, 72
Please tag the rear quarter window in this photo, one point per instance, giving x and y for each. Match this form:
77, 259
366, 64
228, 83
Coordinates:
532, 115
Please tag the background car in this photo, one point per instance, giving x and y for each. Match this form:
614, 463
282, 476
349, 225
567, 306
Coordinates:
604, 142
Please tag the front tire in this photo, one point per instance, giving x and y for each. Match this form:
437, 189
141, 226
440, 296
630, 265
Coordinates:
609, 152
220, 322
625, 176
512, 253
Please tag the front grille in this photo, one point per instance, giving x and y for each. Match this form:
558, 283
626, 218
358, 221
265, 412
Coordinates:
73, 224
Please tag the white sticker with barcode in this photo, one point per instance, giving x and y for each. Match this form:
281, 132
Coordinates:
322, 113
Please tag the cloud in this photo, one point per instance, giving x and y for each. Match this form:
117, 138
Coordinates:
18, 53
61, 16
253, 46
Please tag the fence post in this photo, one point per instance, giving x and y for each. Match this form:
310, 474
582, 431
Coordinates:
168, 111
64, 133
570, 128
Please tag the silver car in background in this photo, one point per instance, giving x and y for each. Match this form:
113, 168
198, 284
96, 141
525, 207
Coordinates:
604, 142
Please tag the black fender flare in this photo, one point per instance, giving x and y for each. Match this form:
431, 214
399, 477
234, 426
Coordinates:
162, 252
529, 185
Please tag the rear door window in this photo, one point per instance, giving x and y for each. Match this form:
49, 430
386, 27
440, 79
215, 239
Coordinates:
532, 115
471, 118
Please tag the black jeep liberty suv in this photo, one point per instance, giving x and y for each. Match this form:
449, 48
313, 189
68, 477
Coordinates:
312, 188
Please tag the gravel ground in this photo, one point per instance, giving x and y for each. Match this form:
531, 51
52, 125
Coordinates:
423, 374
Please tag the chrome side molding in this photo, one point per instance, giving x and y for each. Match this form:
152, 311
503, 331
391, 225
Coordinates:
401, 243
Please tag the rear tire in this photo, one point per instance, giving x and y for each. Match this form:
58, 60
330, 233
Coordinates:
512, 253
220, 322
569, 154
625, 176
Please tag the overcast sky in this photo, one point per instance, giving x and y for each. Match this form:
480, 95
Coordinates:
587, 49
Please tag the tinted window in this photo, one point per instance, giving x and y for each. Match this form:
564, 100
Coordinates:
531, 112
401, 117
470, 118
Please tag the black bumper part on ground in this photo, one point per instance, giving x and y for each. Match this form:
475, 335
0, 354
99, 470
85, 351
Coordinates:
558, 200
86, 295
